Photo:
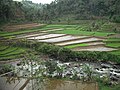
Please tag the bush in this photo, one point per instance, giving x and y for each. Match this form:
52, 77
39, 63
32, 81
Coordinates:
66, 55
116, 18
5, 68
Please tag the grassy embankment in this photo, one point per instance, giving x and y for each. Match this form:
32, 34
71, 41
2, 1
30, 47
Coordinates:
107, 87
10, 52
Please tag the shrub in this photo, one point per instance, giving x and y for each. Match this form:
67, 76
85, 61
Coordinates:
116, 18
65, 54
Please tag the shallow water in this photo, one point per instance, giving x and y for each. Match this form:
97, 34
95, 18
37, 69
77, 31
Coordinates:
79, 41
98, 48
59, 39
56, 84
10, 84
50, 84
31, 35
47, 36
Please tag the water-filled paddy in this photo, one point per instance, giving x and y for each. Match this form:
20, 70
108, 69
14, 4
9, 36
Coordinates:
47, 36
94, 48
60, 39
78, 41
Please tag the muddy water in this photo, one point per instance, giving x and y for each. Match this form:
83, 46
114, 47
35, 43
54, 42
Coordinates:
50, 84
11, 83
56, 84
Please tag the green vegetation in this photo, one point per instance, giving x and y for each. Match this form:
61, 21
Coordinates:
107, 87
91, 17
76, 45
10, 52
79, 32
61, 26
8, 34
117, 52
65, 54
59, 10
114, 45
112, 40
44, 28
5, 68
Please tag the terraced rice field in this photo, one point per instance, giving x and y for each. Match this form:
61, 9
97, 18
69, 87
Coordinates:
31, 35
47, 36
52, 30
62, 39
21, 26
93, 48
91, 39
9, 52
75, 43
85, 44
70, 36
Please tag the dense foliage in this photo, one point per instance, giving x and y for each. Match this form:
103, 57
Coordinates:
66, 55
10, 10
60, 10
83, 9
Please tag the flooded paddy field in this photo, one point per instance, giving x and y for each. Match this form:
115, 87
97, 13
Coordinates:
96, 43
91, 43
30, 35
79, 41
94, 48
47, 36
60, 39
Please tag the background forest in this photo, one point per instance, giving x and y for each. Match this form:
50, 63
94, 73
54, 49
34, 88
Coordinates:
60, 10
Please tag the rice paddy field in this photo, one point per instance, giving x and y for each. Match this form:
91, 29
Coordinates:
75, 37
10, 52
78, 38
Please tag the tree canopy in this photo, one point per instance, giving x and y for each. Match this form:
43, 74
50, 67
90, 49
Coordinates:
73, 9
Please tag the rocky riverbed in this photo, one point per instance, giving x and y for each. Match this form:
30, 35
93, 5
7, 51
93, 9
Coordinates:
73, 70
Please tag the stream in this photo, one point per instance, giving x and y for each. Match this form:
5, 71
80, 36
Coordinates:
77, 71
